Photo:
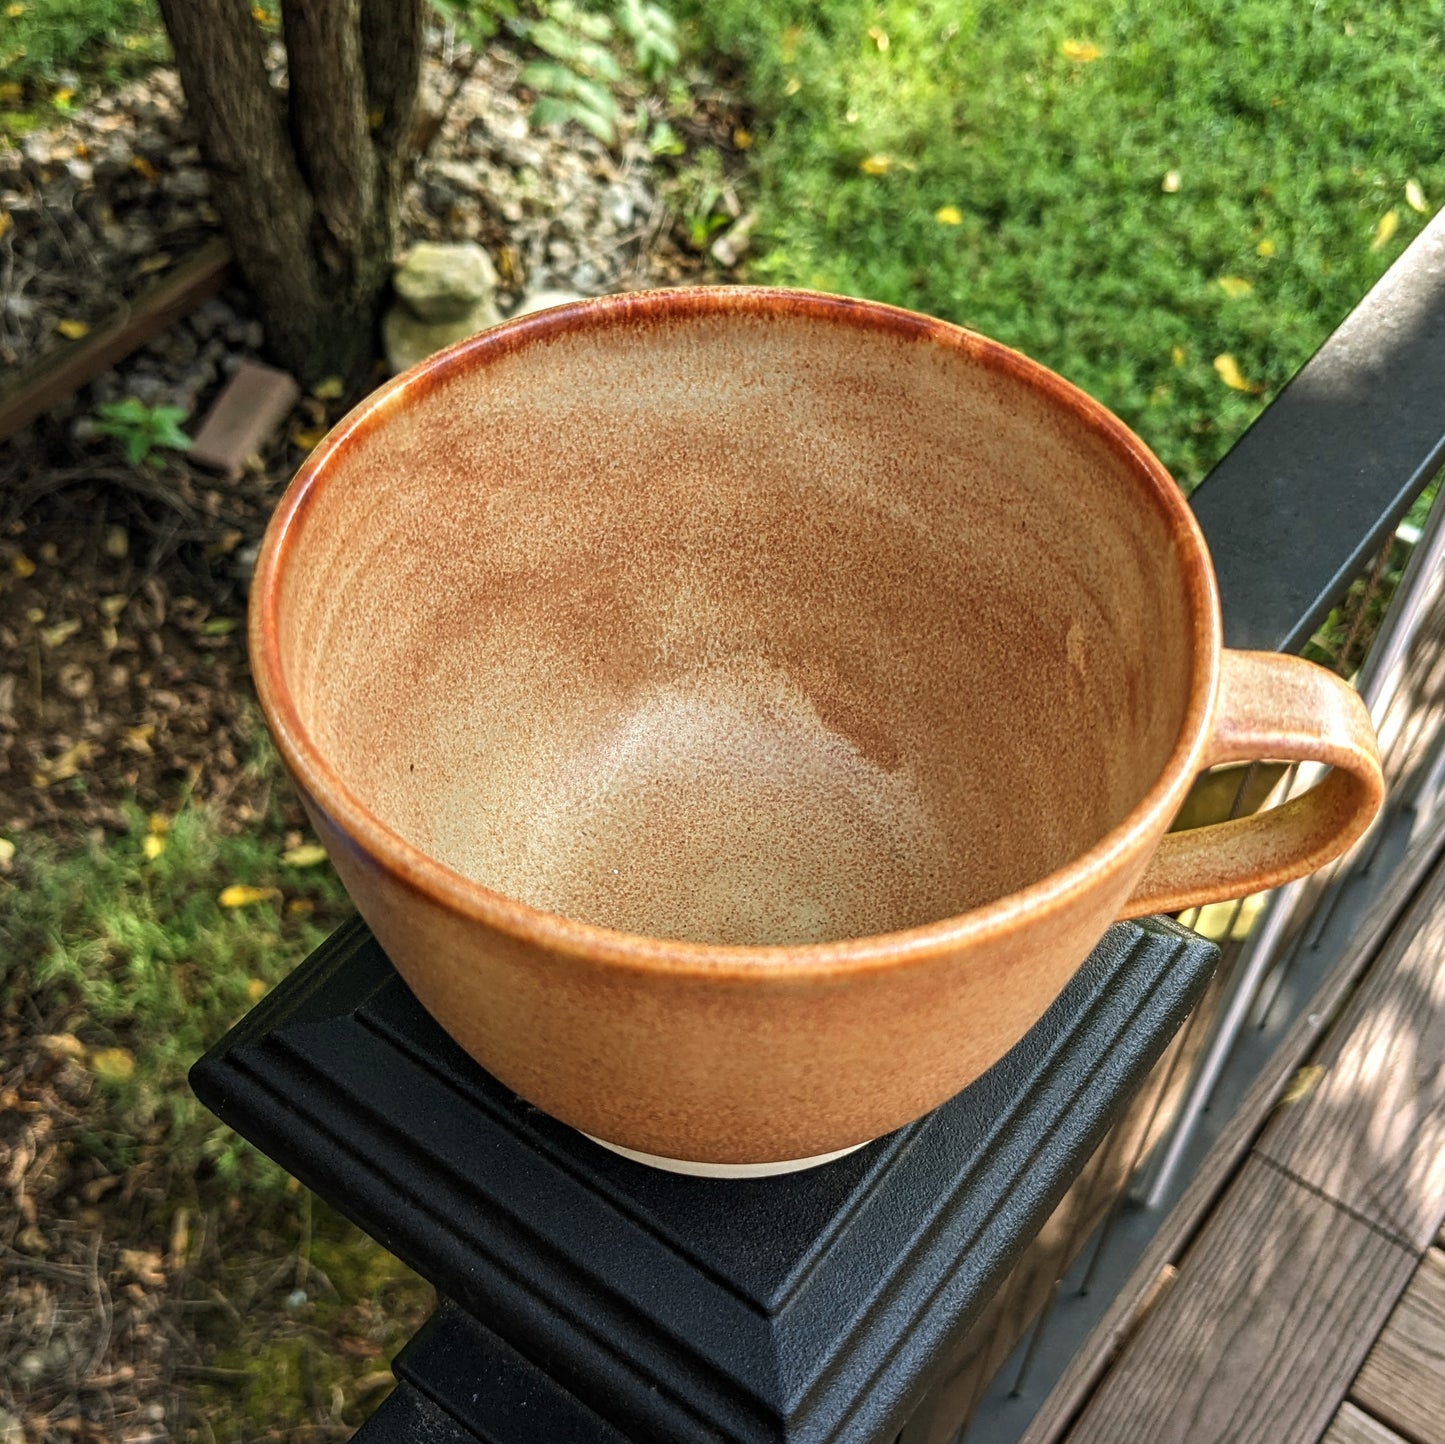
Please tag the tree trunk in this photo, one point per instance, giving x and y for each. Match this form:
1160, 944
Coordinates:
308, 184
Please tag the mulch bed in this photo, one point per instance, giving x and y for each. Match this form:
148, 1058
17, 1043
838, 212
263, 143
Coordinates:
135, 1305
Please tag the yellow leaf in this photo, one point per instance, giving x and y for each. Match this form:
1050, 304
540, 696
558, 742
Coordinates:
948, 216
255, 989
793, 86
64, 767
10, 90
60, 633
113, 605
240, 895
143, 168
374, 117
300, 907
1234, 287
153, 846
1176, 355
260, 15
63, 96
309, 854
113, 1064
788, 42
742, 139
308, 440
1303, 1083
329, 389
15, 11
878, 36
1389, 223
1233, 377
5, 222
1265, 248
7, 852
152, 264
1170, 184
138, 739
72, 330
22, 566
874, 164
1415, 197
158, 824
1082, 52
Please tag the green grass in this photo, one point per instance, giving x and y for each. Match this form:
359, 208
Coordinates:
52, 49
139, 967
1293, 130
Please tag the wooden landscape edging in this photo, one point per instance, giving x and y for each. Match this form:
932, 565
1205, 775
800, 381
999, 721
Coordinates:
59, 374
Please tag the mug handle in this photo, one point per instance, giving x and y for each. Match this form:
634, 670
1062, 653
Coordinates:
1279, 707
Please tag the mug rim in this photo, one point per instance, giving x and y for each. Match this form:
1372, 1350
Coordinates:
442, 885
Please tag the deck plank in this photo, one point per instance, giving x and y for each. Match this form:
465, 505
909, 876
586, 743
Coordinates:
1354, 1426
1371, 1134
1274, 1310
1403, 1380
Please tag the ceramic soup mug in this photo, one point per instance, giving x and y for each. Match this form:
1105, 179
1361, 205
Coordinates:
737, 713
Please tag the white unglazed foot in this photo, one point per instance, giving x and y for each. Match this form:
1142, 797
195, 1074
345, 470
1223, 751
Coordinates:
727, 1170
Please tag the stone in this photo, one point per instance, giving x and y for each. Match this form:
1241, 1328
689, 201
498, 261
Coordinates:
617, 206
441, 284
409, 340
542, 300
190, 184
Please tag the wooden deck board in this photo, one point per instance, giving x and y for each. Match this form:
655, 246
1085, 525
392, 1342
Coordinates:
1371, 1135
1354, 1426
1403, 1380
1274, 1310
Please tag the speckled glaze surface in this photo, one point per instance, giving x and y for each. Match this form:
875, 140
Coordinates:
738, 712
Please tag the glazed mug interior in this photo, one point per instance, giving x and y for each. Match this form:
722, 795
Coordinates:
742, 626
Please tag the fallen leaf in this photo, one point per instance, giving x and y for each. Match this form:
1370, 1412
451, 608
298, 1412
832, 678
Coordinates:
1265, 248
948, 216
309, 854
1388, 224
64, 767
240, 895
48, 552
1170, 183
158, 824
5, 222
219, 627
152, 264
153, 846
138, 739
63, 95
1233, 377
1176, 355
143, 1265
143, 168
308, 440
788, 41
793, 86
742, 139
60, 632
255, 989
300, 907
1235, 286
15, 11
7, 852
22, 566
878, 36
329, 389
115, 1065
260, 15
1082, 52
117, 542
875, 164
368, 1384
225, 544
72, 330
1415, 197
112, 606
1303, 1083
63, 1045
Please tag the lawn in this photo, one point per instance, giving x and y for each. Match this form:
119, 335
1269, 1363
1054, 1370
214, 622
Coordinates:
1171, 203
